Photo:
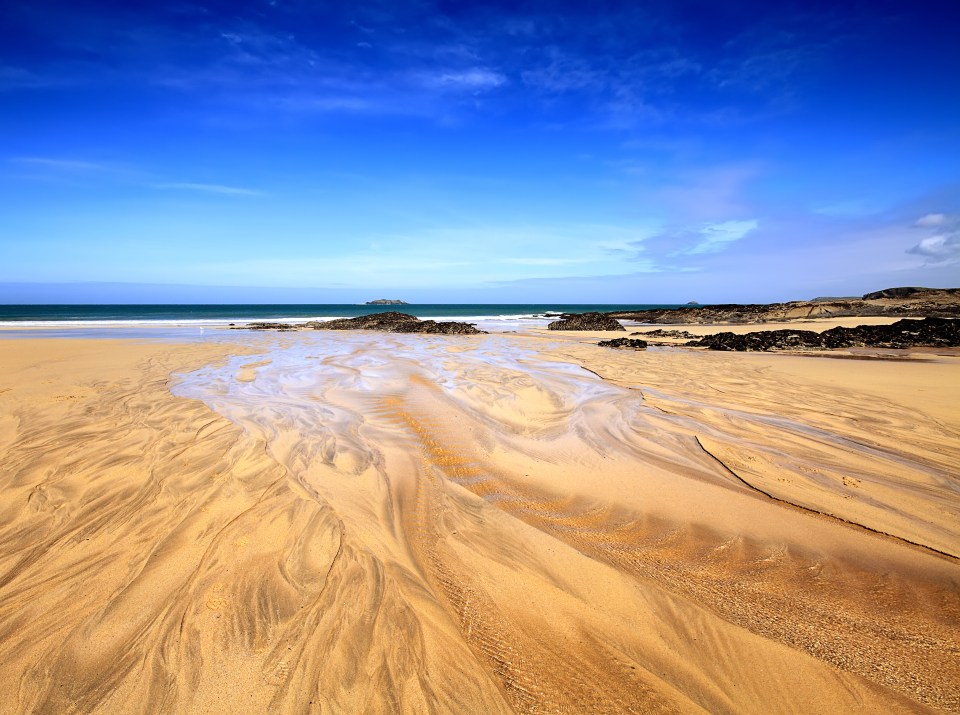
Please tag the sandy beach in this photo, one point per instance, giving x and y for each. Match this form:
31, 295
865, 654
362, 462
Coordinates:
377, 523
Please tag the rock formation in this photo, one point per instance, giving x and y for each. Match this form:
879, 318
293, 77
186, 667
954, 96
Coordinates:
393, 322
661, 333
624, 343
585, 321
927, 332
264, 326
899, 302
385, 301
912, 293
385, 322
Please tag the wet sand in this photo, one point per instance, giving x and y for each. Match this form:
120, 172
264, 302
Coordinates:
383, 523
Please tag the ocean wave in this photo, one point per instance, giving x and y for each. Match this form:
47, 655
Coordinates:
221, 322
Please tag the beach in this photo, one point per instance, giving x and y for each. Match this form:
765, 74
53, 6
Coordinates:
517, 523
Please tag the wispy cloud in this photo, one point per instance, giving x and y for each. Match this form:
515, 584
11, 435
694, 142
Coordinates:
14, 78
60, 164
618, 68
708, 194
447, 257
475, 78
559, 72
771, 57
622, 86
209, 188
544, 261
310, 103
99, 172
686, 246
716, 237
852, 208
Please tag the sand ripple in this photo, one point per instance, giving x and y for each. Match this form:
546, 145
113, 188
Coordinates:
371, 523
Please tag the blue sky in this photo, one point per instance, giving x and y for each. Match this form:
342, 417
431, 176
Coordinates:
504, 152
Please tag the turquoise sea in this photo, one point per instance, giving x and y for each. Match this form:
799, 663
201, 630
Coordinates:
48, 315
205, 322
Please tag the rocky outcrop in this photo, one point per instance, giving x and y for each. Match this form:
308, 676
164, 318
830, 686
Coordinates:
661, 333
911, 292
385, 322
762, 340
393, 322
624, 343
264, 326
927, 332
893, 302
385, 301
585, 321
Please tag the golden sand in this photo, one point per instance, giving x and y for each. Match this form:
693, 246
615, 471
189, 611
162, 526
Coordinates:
417, 524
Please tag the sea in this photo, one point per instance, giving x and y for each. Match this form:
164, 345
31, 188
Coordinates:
136, 320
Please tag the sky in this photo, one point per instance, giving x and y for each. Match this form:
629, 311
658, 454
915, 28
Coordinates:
604, 152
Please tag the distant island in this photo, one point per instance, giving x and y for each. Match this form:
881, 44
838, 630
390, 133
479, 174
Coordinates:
384, 301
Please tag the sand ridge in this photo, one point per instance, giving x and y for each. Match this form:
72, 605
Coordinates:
372, 523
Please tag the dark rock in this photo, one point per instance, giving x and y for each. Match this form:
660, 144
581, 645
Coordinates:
624, 343
763, 340
265, 326
385, 301
661, 333
927, 332
585, 321
394, 322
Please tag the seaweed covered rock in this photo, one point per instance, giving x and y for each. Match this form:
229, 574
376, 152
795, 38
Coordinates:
661, 333
928, 332
394, 322
761, 340
624, 343
585, 321
264, 326
907, 333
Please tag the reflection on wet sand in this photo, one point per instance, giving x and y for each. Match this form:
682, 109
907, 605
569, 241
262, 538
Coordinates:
384, 523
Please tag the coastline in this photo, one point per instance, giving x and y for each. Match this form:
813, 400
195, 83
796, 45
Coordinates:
502, 522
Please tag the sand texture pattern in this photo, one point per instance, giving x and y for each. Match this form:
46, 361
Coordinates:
369, 523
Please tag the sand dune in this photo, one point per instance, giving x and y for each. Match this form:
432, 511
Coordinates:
388, 523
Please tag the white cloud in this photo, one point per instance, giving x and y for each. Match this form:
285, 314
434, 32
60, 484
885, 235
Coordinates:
717, 236
944, 245
931, 220
476, 78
